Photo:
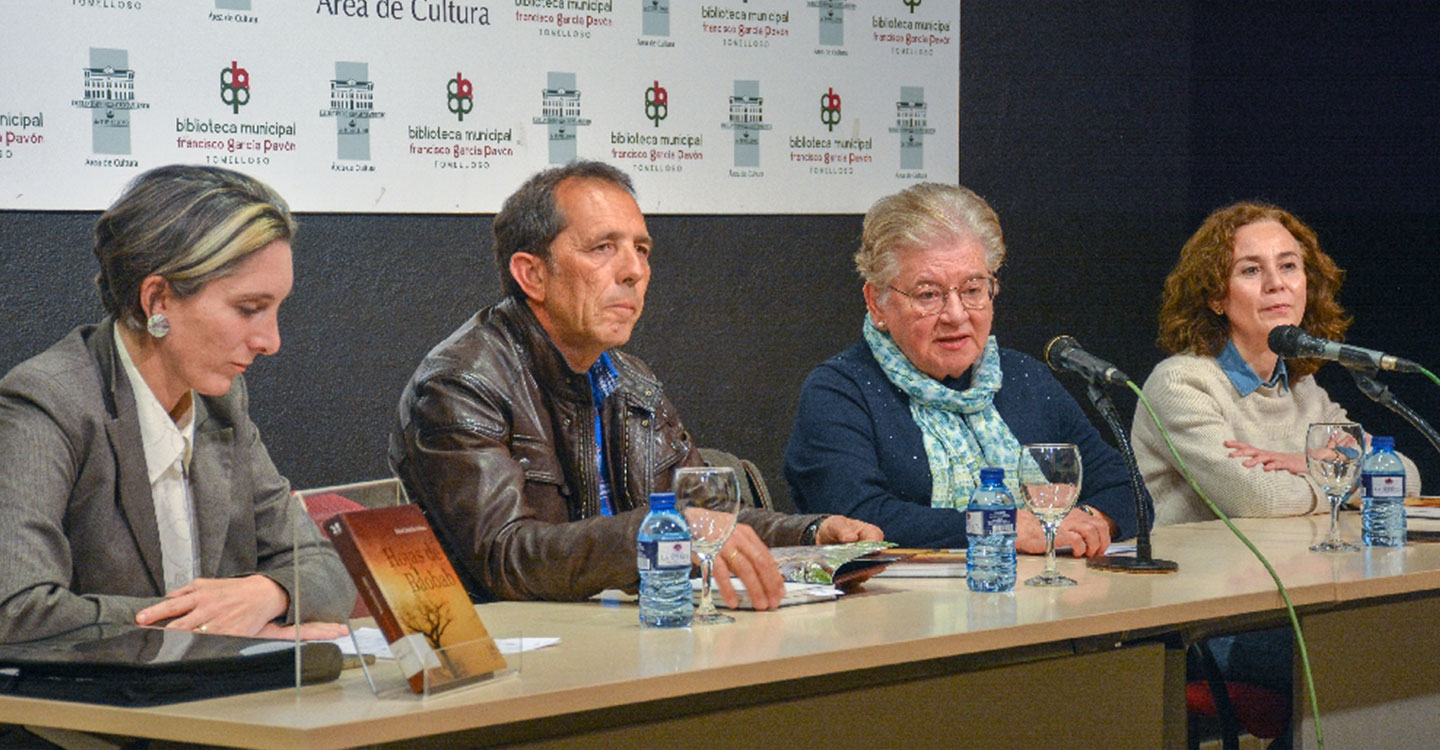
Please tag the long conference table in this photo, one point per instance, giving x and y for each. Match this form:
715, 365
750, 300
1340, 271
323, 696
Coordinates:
903, 662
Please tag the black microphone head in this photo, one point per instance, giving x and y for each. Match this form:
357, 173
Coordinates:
1057, 348
1286, 340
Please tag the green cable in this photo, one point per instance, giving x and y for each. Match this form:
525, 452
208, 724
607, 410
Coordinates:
1430, 375
1289, 607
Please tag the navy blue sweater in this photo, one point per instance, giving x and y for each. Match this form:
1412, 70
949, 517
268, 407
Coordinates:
856, 451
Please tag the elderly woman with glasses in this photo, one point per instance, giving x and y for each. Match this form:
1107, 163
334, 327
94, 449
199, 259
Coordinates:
895, 429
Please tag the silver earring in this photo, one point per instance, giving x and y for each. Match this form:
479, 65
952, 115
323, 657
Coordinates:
158, 325
880, 325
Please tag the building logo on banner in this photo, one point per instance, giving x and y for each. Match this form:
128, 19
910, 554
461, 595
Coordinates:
911, 4
911, 124
234, 87
352, 104
233, 11
655, 20
832, 22
560, 112
747, 119
110, 97
830, 109
460, 96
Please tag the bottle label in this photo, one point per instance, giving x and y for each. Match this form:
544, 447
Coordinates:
1383, 485
664, 554
990, 522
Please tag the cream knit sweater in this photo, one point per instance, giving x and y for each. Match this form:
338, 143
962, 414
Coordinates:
1201, 409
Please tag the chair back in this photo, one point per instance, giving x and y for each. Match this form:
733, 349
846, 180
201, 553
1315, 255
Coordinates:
372, 493
753, 491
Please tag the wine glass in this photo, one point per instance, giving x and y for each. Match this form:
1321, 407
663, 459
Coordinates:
1332, 456
1049, 478
709, 496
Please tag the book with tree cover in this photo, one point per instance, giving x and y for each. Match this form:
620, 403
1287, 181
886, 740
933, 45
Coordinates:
414, 595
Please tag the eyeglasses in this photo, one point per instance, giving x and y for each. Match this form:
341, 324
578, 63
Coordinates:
929, 299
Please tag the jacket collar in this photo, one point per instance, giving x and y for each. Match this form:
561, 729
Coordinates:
553, 372
546, 362
211, 467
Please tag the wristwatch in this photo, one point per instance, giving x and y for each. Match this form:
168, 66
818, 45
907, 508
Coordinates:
807, 537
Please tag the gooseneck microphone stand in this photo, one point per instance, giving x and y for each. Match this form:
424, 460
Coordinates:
1142, 562
1380, 394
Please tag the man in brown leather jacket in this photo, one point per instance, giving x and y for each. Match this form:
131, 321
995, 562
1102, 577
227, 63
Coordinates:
497, 434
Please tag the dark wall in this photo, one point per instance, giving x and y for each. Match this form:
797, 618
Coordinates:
1102, 133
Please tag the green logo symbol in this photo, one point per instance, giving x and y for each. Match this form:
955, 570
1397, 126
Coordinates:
657, 104
830, 109
234, 87
460, 96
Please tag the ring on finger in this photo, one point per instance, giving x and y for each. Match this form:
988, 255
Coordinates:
734, 553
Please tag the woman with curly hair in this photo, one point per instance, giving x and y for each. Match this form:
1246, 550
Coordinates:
1235, 410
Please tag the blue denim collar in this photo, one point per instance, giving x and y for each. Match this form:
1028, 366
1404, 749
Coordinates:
1243, 377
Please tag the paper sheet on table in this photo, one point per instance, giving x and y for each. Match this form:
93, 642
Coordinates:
1422, 511
372, 641
795, 593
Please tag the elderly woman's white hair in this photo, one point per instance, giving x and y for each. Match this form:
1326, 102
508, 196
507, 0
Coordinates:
921, 216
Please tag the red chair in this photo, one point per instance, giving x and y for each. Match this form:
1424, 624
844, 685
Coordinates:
1227, 708
321, 507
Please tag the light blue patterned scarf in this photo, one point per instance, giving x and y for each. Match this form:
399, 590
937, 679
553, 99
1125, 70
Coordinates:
962, 430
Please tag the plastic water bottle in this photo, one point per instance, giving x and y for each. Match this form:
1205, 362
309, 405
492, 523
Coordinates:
990, 526
1382, 488
662, 552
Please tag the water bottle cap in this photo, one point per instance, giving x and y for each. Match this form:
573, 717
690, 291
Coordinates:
662, 501
1382, 443
992, 476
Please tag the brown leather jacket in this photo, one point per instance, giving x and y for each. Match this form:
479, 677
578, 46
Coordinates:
496, 441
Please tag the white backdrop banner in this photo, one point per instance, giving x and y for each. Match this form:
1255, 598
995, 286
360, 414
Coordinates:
441, 106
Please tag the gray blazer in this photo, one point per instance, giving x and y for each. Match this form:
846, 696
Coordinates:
78, 537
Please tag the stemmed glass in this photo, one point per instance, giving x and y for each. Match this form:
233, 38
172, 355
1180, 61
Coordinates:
1332, 456
709, 496
1049, 477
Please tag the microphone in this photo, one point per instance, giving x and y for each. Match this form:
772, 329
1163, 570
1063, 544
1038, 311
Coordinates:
1291, 341
1064, 353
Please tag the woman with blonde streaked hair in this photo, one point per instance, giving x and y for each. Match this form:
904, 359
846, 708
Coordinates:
133, 486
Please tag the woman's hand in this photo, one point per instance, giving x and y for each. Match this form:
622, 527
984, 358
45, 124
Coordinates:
1084, 534
1267, 460
230, 606
841, 530
309, 631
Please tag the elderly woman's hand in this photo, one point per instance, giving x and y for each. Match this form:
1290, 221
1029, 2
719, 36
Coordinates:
1086, 535
840, 530
1267, 460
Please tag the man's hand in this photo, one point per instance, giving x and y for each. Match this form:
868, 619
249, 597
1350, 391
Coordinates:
839, 530
1086, 535
1267, 460
747, 558
230, 606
